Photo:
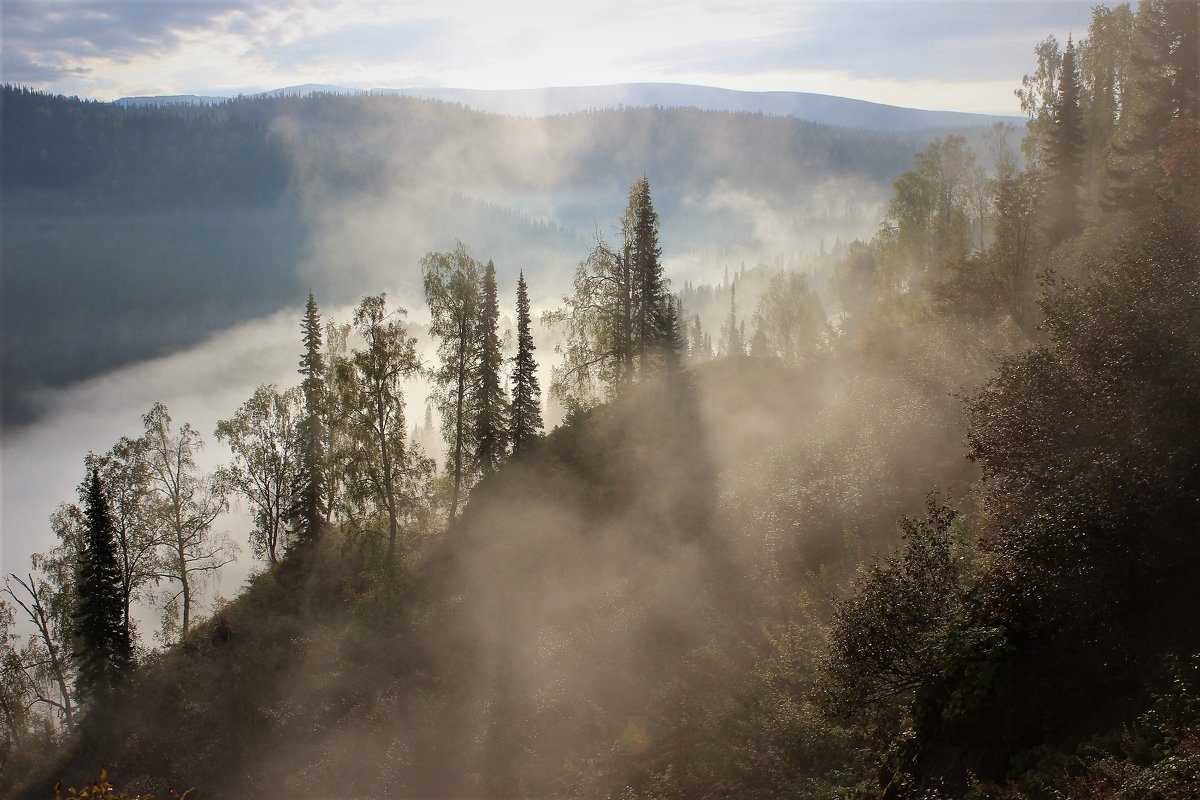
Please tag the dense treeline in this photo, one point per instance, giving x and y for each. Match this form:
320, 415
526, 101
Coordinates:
936, 543
117, 156
189, 219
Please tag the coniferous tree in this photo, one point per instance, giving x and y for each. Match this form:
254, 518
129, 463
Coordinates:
103, 650
648, 294
675, 347
309, 514
616, 320
525, 419
732, 339
124, 475
1156, 147
699, 342
491, 437
1064, 155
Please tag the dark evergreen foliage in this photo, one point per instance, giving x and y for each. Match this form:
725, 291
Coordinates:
491, 424
103, 651
309, 513
1156, 154
648, 296
1064, 156
525, 413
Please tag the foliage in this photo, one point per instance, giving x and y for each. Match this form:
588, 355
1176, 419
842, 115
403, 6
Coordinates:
790, 317
595, 326
616, 323
185, 504
453, 291
1086, 439
103, 789
892, 633
124, 472
525, 415
103, 650
491, 407
382, 470
311, 502
269, 465
1064, 157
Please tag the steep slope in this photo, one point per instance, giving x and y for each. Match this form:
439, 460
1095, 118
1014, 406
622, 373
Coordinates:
594, 598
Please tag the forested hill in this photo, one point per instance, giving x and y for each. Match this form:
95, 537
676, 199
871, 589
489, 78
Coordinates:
823, 109
187, 219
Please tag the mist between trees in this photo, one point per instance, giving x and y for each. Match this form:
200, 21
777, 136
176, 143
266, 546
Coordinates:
925, 531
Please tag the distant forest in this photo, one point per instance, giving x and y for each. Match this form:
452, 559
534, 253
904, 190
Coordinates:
187, 219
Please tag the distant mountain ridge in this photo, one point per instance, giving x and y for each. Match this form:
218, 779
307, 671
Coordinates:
824, 109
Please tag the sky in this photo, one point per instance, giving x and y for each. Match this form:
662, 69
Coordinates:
963, 55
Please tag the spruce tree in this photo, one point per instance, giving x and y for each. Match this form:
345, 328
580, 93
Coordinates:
733, 336
649, 296
310, 513
491, 437
103, 649
525, 419
675, 346
1064, 155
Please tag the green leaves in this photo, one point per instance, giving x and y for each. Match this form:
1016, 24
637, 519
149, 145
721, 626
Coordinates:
893, 632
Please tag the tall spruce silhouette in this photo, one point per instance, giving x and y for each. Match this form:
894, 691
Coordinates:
103, 649
310, 512
1064, 155
649, 296
525, 413
491, 440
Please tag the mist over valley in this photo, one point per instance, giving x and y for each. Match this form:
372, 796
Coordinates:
628, 437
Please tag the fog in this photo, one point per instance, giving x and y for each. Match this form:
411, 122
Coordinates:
565, 599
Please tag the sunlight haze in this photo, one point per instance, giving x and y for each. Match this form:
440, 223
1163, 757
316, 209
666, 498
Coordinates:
899, 53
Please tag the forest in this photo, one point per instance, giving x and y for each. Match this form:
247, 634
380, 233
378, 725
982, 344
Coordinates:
928, 531
189, 219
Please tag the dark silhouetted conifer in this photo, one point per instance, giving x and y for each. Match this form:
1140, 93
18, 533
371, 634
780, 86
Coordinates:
649, 291
310, 513
525, 418
103, 649
1064, 156
491, 439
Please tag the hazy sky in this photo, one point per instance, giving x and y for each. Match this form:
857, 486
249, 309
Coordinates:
963, 55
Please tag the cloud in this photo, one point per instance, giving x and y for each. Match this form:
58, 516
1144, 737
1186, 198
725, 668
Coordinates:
893, 40
416, 39
106, 49
119, 32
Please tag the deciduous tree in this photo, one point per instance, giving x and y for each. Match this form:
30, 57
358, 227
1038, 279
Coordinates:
453, 292
269, 464
185, 503
380, 468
